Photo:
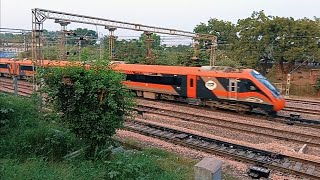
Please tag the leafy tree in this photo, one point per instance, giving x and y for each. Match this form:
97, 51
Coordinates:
301, 42
26, 54
131, 51
226, 35
174, 55
155, 44
93, 102
266, 39
134, 51
51, 52
87, 37
12, 38
224, 30
254, 42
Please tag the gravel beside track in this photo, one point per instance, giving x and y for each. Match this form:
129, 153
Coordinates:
235, 168
232, 126
300, 165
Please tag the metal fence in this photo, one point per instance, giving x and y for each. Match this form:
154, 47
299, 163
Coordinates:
298, 90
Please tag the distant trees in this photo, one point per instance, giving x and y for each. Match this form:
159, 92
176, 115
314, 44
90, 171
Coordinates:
255, 42
134, 51
226, 34
262, 39
87, 37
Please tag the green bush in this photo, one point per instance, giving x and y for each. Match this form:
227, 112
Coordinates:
34, 147
5, 114
14, 112
93, 101
318, 84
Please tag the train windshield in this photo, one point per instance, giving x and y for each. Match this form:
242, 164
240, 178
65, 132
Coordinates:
266, 83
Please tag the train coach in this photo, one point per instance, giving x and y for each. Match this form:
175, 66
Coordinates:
242, 90
21, 68
24, 69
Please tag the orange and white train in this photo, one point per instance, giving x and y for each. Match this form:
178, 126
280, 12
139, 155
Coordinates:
222, 87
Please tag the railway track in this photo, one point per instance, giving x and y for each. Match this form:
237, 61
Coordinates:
302, 110
305, 102
24, 88
275, 161
295, 119
292, 119
281, 134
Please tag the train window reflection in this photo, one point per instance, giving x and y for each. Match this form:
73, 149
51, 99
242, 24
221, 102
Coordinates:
265, 82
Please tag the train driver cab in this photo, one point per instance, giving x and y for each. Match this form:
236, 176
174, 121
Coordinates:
268, 88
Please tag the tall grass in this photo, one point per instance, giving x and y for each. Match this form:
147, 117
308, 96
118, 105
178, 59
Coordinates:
33, 146
28, 134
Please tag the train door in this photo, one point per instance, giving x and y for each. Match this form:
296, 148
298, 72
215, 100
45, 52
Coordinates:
191, 86
15, 68
12, 68
233, 89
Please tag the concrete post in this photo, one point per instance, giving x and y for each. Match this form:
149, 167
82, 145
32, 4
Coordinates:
208, 169
288, 85
15, 85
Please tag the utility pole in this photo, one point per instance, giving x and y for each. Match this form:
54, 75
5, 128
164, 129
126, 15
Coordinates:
64, 25
149, 41
212, 52
79, 47
289, 78
112, 39
288, 85
101, 48
195, 50
25, 41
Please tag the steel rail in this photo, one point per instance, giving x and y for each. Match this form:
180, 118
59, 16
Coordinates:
234, 125
276, 161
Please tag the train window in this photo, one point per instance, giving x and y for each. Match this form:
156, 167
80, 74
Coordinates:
26, 68
246, 85
191, 82
233, 86
165, 80
265, 83
250, 87
177, 81
3, 65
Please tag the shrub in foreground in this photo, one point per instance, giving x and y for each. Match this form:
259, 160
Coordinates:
93, 102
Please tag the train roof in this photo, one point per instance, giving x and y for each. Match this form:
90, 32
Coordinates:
30, 62
180, 70
221, 71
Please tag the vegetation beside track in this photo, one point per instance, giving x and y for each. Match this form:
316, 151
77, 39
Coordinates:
34, 145
73, 139
92, 102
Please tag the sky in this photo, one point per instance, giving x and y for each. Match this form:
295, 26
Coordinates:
176, 14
